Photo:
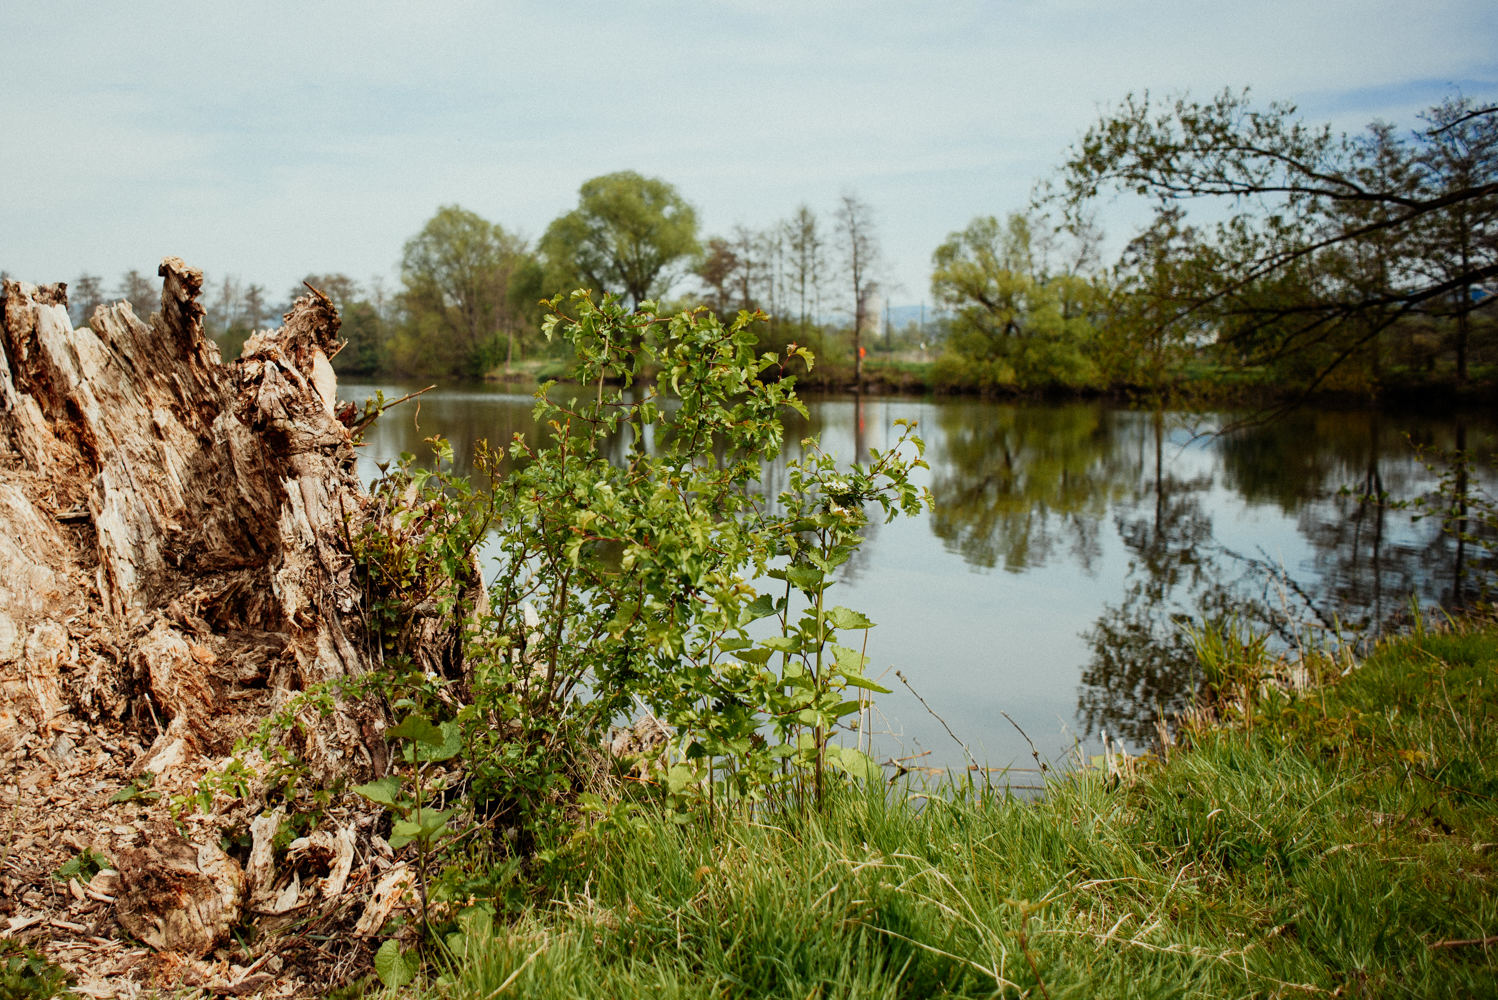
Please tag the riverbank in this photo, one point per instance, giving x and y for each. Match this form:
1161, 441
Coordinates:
1339, 841
1201, 384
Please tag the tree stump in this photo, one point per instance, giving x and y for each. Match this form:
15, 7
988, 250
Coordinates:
177, 543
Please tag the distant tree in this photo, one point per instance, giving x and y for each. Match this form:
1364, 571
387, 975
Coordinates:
143, 294
627, 236
807, 262
85, 295
255, 307
342, 290
1021, 322
717, 269
458, 276
364, 328
860, 247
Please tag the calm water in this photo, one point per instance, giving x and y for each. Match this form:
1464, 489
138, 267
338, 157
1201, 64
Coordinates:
1068, 540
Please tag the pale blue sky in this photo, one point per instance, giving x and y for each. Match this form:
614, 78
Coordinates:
273, 139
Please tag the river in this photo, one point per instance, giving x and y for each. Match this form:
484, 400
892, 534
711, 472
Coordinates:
1068, 541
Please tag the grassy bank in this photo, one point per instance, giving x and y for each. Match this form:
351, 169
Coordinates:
1339, 842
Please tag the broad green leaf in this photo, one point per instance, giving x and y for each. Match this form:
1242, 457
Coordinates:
394, 967
386, 791
850, 662
854, 762
860, 681
807, 578
842, 617
680, 776
402, 832
761, 607
452, 744
417, 729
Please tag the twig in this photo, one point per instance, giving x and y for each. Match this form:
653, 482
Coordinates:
1024, 947
1033, 752
1465, 942
356, 428
970, 758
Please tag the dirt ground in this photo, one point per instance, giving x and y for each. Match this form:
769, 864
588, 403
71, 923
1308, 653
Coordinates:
56, 806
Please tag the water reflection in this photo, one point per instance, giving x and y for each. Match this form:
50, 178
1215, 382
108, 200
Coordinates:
1015, 484
1112, 527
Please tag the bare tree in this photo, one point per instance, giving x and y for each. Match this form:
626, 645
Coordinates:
138, 290
86, 295
860, 248
807, 262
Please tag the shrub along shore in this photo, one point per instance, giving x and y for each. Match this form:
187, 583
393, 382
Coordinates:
1339, 841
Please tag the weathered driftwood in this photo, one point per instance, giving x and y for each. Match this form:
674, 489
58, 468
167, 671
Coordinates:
175, 556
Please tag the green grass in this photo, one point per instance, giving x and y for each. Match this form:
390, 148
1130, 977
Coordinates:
1337, 843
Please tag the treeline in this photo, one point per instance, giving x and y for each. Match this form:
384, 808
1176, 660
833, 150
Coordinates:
1354, 263
1325, 261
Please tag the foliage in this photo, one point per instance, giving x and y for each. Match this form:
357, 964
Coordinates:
26, 975
624, 237
632, 540
466, 284
83, 866
1331, 248
640, 569
1016, 324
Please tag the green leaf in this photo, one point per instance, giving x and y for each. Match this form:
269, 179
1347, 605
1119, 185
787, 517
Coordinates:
452, 743
855, 763
417, 729
679, 777
850, 662
139, 788
761, 607
841, 617
394, 967
386, 791
860, 681
807, 578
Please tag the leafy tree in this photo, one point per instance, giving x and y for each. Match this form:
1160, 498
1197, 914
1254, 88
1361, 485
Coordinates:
1013, 319
1285, 279
626, 237
460, 295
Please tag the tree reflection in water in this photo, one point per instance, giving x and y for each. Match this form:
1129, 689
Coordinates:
1335, 473
1013, 483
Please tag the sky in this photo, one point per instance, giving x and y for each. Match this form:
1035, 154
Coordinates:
272, 140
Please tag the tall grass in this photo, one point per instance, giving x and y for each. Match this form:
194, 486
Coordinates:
1341, 845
